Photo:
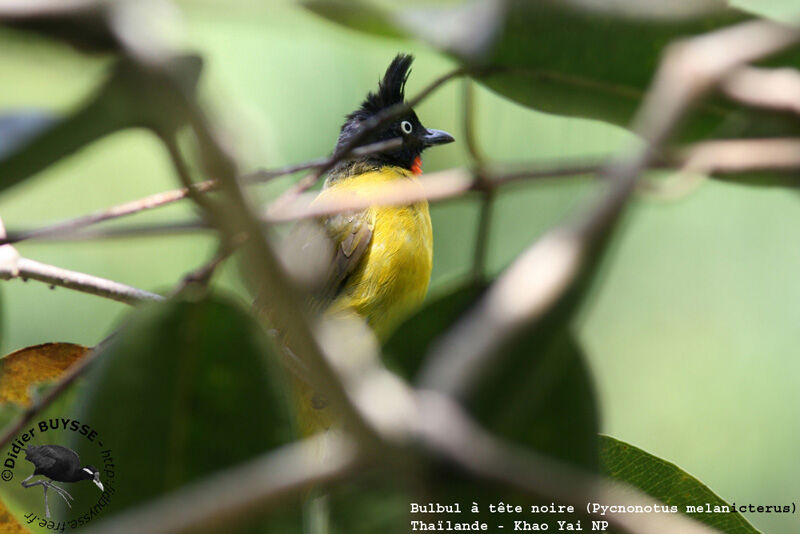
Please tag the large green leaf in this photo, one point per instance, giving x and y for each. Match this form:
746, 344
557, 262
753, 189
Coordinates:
183, 390
133, 96
669, 484
570, 57
538, 395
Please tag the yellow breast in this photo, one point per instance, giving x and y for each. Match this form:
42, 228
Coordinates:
393, 275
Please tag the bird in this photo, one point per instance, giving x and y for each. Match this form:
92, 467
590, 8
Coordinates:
60, 464
380, 259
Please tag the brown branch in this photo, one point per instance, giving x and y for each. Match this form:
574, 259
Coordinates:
12, 265
26, 269
234, 217
717, 157
165, 198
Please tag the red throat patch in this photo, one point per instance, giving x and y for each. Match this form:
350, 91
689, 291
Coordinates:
416, 167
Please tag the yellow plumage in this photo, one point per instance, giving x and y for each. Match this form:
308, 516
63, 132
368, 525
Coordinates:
390, 278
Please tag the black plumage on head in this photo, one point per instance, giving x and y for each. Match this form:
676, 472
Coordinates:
391, 92
391, 89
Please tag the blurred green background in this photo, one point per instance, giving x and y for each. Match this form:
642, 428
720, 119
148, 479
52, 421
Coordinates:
692, 337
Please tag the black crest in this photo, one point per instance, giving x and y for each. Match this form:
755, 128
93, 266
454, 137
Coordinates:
416, 138
391, 89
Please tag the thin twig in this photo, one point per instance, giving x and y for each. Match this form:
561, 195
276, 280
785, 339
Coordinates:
200, 278
70, 226
25, 269
483, 183
225, 499
235, 217
718, 157
157, 200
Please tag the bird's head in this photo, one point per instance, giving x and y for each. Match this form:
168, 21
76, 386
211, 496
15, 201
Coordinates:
416, 138
90, 472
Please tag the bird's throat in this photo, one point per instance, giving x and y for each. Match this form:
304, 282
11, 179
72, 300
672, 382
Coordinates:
416, 167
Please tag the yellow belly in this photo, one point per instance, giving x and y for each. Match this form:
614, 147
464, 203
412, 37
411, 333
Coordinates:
392, 277
389, 282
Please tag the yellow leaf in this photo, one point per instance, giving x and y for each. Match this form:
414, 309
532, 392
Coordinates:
9, 525
41, 363
18, 372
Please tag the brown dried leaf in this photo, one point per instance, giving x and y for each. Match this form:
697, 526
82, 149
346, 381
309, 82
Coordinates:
41, 363
18, 372
9, 525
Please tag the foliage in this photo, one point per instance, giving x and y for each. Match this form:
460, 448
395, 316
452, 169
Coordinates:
189, 387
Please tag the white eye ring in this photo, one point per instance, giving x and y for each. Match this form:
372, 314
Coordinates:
406, 127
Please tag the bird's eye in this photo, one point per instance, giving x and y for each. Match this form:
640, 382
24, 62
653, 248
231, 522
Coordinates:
406, 127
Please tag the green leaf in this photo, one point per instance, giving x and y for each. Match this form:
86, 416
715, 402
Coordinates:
183, 390
668, 483
405, 350
538, 395
572, 57
133, 96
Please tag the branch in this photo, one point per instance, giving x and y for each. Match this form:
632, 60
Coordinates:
234, 216
541, 275
224, 499
777, 89
481, 181
25, 269
724, 157
165, 198
716, 157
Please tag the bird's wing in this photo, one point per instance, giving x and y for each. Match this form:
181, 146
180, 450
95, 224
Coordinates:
321, 254
351, 234
48, 455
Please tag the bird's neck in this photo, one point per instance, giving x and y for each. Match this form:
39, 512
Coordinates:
356, 167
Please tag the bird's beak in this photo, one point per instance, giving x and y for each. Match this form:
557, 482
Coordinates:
97, 483
436, 137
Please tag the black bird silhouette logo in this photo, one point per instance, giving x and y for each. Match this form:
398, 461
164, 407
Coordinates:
59, 464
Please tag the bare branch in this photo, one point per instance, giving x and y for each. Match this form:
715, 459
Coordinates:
26, 269
777, 89
717, 157
235, 217
223, 500
157, 200
745, 155
487, 189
